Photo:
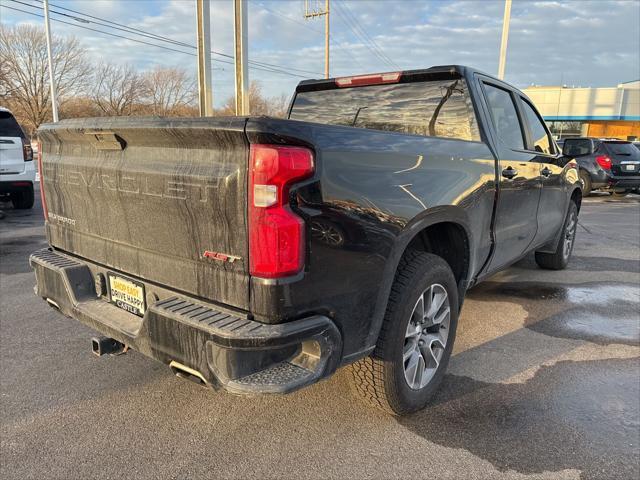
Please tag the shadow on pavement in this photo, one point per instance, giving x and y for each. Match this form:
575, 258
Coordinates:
587, 264
572, 415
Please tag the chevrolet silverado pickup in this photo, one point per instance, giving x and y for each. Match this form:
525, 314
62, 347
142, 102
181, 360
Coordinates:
258, 255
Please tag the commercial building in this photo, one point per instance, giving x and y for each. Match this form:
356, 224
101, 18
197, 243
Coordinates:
594, 112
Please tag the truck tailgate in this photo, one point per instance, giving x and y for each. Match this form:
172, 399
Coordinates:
149, 196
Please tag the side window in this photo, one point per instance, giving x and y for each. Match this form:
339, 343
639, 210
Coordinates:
504, 116
539, 135
576, 147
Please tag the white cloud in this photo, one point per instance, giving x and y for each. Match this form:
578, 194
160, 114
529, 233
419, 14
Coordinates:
587, 43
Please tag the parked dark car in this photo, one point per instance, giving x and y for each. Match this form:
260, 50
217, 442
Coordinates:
259, 255
605, 164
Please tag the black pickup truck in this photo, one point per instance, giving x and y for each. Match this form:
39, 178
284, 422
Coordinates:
259, 255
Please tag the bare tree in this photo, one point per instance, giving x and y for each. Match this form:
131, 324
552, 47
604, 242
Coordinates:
259, 104
278, 106
118, 89
80, 107
24, 71
170, 91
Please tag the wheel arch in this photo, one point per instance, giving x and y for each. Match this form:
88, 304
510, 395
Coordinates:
430, 231
576, 197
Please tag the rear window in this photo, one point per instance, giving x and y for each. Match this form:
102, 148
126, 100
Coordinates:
8, 126
439, 108
622, 148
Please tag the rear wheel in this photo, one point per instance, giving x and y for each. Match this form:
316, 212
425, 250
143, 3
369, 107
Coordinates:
416, 338
23, 199
586, 182
560, 258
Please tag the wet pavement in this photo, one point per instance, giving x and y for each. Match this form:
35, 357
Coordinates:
544, 383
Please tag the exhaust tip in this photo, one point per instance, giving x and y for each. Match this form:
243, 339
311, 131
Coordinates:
53, 303
187, 373
105, 345
95, 346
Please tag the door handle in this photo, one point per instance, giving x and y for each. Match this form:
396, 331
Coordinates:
546, 172
509, 172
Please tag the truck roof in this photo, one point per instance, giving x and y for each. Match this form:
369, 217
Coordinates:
431, 73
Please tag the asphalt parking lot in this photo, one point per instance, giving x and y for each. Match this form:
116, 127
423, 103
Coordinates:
545, 383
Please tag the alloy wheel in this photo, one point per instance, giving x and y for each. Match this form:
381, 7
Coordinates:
570, 234
426, 336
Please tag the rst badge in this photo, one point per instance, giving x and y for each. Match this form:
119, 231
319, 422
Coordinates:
221, 257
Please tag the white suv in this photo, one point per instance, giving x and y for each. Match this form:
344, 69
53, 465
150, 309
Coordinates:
17, 172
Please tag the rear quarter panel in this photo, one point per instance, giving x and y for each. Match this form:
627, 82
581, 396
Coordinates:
376, 190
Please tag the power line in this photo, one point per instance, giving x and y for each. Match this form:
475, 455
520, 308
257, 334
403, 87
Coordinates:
137, 31
353, 24
356, 33
256, 65
259, 66
95, 30
306, 26
116, 27
268, 67
281, 15
366, 34
131, 29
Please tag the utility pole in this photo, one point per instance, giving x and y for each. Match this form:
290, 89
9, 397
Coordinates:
241, 56
505, 37
559, 102
316, 12
52, 83
203, 30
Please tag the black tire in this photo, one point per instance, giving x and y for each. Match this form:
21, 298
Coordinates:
560, 258
380, 378
23, 199
586, 182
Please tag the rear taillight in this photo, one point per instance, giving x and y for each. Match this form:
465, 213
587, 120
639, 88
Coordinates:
45, 211
27, 151
604, 161
276, 234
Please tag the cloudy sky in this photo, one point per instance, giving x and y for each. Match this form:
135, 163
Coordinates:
578, 42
